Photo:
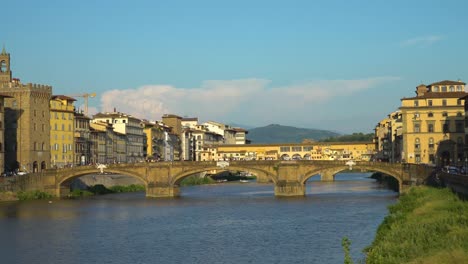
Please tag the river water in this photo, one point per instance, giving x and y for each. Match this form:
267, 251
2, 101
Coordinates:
222, 223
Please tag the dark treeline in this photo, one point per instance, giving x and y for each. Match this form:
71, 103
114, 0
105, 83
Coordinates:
355, 137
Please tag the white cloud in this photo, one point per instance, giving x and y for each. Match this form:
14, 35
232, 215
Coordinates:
253, 99
422, 41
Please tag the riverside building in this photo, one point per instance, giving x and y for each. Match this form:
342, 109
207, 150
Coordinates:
433, 124
27, 121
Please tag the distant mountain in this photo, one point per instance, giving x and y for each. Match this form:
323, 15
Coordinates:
286, 134
241, 126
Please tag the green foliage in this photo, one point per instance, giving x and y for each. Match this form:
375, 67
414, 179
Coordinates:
33, 195
346, 244
427, 225
99, 189
129, 188
79, 193
195, 180
355, 137
281, 134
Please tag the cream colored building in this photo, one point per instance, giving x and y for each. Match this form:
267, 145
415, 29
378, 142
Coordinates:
62, 132
388, 137
433, 124
291, 151
129, 126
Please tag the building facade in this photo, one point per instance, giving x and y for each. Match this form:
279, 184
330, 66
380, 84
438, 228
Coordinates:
62, 133
27, 121
82, 139
433, 124
129, 126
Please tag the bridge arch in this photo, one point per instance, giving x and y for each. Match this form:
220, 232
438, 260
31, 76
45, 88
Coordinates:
67, 175
180, 176
336, 169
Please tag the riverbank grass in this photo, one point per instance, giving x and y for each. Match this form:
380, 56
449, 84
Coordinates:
33, 195
427, 225
100, 189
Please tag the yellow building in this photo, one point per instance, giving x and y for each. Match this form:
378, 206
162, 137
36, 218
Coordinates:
62, 135
291, 151
154, 140
433, 124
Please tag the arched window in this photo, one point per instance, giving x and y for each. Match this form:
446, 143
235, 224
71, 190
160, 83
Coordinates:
431, 143
417, 145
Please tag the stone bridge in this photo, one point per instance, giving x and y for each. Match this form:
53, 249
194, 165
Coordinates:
162, 179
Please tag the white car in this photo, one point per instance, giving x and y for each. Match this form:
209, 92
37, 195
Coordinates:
21, 173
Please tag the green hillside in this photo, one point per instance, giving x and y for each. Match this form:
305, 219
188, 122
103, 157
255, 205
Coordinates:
281, 134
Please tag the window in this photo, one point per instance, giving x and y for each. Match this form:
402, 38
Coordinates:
285, 149
307, 148
429, 102
444, 88
459, 102
444, 102
297, 148
417, 145
459, 114
417, 128
430, 128
430, 114
418, 158
459, 88
452, 88
416, 103
444, 114
435, 88
431, 143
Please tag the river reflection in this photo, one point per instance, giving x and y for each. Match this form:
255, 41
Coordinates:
225, 223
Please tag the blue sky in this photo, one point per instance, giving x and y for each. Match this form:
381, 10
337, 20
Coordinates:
335, 65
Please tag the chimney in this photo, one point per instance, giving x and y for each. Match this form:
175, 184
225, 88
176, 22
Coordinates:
421, 90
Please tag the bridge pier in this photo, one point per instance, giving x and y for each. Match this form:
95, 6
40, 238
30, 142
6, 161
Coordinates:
327, 176
262, 177
159, 191
286, 188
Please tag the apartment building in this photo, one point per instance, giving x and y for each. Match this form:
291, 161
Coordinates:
433, 124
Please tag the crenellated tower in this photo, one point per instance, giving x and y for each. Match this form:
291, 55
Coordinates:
27, 121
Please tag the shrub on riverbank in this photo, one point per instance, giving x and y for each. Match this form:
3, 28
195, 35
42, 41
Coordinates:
100, 189
195, 180
427, 225
8, 196
129, 188
79, 193
33, 195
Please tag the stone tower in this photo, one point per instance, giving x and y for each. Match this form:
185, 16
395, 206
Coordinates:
27, 121
5, 71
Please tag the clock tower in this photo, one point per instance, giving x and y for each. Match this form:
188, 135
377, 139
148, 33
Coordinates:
5, 72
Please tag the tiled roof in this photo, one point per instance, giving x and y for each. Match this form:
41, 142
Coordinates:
429, 95
447, 82
63, 97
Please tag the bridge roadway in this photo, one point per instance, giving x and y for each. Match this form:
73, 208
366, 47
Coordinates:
162, 179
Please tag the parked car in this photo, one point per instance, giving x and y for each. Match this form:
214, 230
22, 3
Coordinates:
452, 170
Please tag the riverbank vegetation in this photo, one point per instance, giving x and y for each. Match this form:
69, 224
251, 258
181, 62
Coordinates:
196, 180
100, 189
427, 225
33, 195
